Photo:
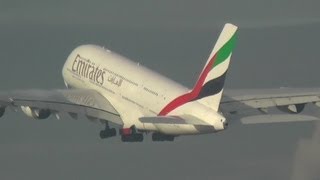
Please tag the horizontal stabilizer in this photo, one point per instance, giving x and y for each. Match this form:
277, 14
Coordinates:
263, 119
185, 119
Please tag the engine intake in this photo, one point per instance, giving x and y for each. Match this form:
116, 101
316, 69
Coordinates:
36, 113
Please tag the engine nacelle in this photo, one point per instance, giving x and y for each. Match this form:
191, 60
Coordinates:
2, 110
293, 108
35, 112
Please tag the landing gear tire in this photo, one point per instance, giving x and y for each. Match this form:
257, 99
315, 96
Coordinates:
108, 133
132, 138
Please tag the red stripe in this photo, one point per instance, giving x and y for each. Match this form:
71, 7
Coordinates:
191, 95
126, 131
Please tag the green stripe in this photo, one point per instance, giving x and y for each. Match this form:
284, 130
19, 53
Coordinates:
225, 51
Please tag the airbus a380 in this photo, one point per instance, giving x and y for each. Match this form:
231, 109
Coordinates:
104, 85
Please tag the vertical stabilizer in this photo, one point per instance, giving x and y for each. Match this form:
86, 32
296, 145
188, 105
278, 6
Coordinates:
212, 78
209, 87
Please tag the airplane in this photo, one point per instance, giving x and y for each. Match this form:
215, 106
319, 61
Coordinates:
103, 85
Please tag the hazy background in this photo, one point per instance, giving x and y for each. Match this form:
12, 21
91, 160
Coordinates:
278, 46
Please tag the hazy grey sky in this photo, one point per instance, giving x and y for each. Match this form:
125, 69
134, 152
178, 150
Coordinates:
278, 46
161, 14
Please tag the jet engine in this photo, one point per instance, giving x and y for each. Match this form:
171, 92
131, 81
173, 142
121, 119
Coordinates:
2, 110
292, 109
36, 113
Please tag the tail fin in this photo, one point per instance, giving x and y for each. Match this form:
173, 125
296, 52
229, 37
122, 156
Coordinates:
211, 80
209, 87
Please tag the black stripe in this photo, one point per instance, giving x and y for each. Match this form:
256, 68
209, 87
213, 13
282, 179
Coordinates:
212, 87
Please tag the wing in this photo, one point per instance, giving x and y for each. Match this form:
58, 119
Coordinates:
72, 101
239, 104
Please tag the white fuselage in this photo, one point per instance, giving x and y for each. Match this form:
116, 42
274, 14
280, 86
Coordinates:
134, 90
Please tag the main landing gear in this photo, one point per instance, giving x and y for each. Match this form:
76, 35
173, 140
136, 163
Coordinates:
130, 135
108, 132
